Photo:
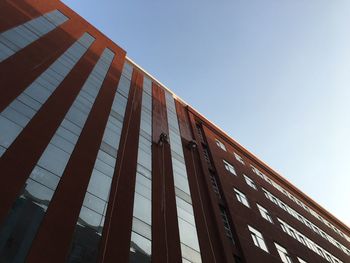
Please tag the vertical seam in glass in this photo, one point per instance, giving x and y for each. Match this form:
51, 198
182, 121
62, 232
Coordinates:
104, 164
187, 225
44, 178
17, 38
142, 221
15, 117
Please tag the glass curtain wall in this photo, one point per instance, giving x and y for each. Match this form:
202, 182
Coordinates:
88, 231
19, 229
17, 38
141, 239
18, 114
190, 250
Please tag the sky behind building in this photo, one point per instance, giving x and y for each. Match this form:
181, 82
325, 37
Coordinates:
273, 74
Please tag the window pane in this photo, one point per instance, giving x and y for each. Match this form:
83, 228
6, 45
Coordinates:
140, 249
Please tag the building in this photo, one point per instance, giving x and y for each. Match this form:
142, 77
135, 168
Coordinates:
102, 163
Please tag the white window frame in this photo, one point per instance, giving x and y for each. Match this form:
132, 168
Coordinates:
257, 171
307, 242
285, 257
229, 167
238, 158
250, 182
220, 145
242, 198
264, 213
258, 239
301, 260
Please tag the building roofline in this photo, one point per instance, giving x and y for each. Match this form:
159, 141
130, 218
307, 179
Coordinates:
155, 79
276, 174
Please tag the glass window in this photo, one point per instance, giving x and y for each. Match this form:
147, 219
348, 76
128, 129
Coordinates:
257, 172
15, 39
187, 231
249, 182
90, 218
291, 232
328, 257
19, 113
220, 144
301, 239
43, 181
87, 235
54, 159
257, 238
319, 251
264, 213
229, 167
283, 254
99, 184
282, 205
301, 219
274, 199
189, 255
241, 197
188, 234
142, 208
238, 158
266, 193
8, 131
306, 242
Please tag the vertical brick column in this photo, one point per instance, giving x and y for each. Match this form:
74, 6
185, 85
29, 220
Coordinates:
21, 69
115, 245
165, 234
18, 161
221, 246
74, 182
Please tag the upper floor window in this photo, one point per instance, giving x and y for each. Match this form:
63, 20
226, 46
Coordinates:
257, 238
220, 144
291, 232
238, 158
241, 197
283, 254
264, 213
307, 242
249, 182
301, 260
257, 171
266, 193
328, 257
229, 167
282, 205
300, 238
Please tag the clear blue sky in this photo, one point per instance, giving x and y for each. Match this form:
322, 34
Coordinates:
275, 75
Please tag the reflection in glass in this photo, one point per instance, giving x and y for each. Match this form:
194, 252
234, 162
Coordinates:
22, 222
19, 113
30, 207
88, 231
16, 38
141, 235
190, 250
140, 249
87, 249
